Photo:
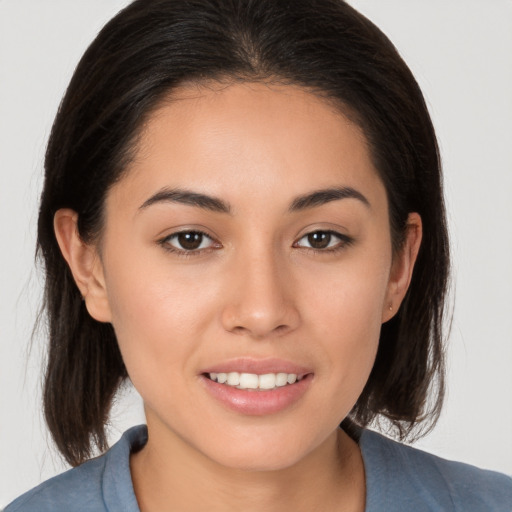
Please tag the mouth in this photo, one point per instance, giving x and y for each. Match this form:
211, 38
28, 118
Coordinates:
254, 381
257, 387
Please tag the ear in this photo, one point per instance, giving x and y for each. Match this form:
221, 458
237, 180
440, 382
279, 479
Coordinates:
402, 267
84, 262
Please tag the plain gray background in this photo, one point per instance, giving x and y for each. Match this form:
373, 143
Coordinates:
460, 52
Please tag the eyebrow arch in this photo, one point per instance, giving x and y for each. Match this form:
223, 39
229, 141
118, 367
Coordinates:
320, 197
183, 196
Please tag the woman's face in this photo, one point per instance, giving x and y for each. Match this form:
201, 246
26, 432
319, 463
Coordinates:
249, 237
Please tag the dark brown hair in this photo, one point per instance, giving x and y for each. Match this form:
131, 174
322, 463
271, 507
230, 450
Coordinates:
140, 56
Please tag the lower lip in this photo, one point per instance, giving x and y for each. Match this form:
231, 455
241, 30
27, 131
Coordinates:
255, 402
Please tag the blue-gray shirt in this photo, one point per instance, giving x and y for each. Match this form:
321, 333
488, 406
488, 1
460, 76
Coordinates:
398, 478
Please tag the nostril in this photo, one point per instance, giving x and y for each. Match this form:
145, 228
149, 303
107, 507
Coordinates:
259, 319
257, 333
238, 329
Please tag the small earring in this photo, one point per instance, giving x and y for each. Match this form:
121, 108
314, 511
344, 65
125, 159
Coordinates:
391, 307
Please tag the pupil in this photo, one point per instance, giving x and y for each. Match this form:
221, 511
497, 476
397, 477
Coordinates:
319, 239
190, 241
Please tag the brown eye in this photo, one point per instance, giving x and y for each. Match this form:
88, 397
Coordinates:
319, 239
324, 240
189, 241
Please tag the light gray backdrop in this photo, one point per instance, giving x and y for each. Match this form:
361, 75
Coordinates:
460, 51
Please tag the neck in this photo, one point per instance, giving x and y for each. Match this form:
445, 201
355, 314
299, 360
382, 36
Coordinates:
170, 476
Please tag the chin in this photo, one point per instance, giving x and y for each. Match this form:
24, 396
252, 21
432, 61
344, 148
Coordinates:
273, 460
263, 451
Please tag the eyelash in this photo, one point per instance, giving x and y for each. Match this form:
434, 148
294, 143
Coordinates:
165, 243
343, 242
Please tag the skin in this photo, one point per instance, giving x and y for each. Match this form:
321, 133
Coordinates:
255, 289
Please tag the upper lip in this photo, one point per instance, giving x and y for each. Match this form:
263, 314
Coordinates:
258, 366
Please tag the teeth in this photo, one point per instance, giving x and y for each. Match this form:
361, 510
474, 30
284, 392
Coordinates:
254, 381
291, 378
249, 381
281, 379
233, 379
267, 381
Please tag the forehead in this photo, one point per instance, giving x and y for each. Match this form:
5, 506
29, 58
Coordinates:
249, 137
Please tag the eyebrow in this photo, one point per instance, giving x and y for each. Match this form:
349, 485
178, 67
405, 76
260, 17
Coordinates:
311, 200
187, 197
320, 197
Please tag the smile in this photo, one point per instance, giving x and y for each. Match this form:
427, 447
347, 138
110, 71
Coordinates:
253, 381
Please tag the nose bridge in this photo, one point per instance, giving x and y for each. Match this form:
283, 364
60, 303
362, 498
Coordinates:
261, 300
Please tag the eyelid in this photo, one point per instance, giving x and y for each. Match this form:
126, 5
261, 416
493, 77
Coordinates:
344, 241
164, 242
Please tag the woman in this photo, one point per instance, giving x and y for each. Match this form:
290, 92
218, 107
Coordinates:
243, 214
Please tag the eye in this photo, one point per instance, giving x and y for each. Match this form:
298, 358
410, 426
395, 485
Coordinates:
188, 241
323, 240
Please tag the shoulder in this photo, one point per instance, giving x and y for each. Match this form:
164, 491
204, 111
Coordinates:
101, 484
424, 482
68, 488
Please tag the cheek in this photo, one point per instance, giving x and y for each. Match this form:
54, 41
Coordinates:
346, 313
349, 296
158, 315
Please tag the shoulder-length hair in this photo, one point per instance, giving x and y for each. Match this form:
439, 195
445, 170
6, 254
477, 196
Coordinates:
138, 58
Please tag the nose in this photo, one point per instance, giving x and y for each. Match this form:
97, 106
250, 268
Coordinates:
260, 302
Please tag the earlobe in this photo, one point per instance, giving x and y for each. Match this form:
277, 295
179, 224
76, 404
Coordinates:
402, 267
84, 263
